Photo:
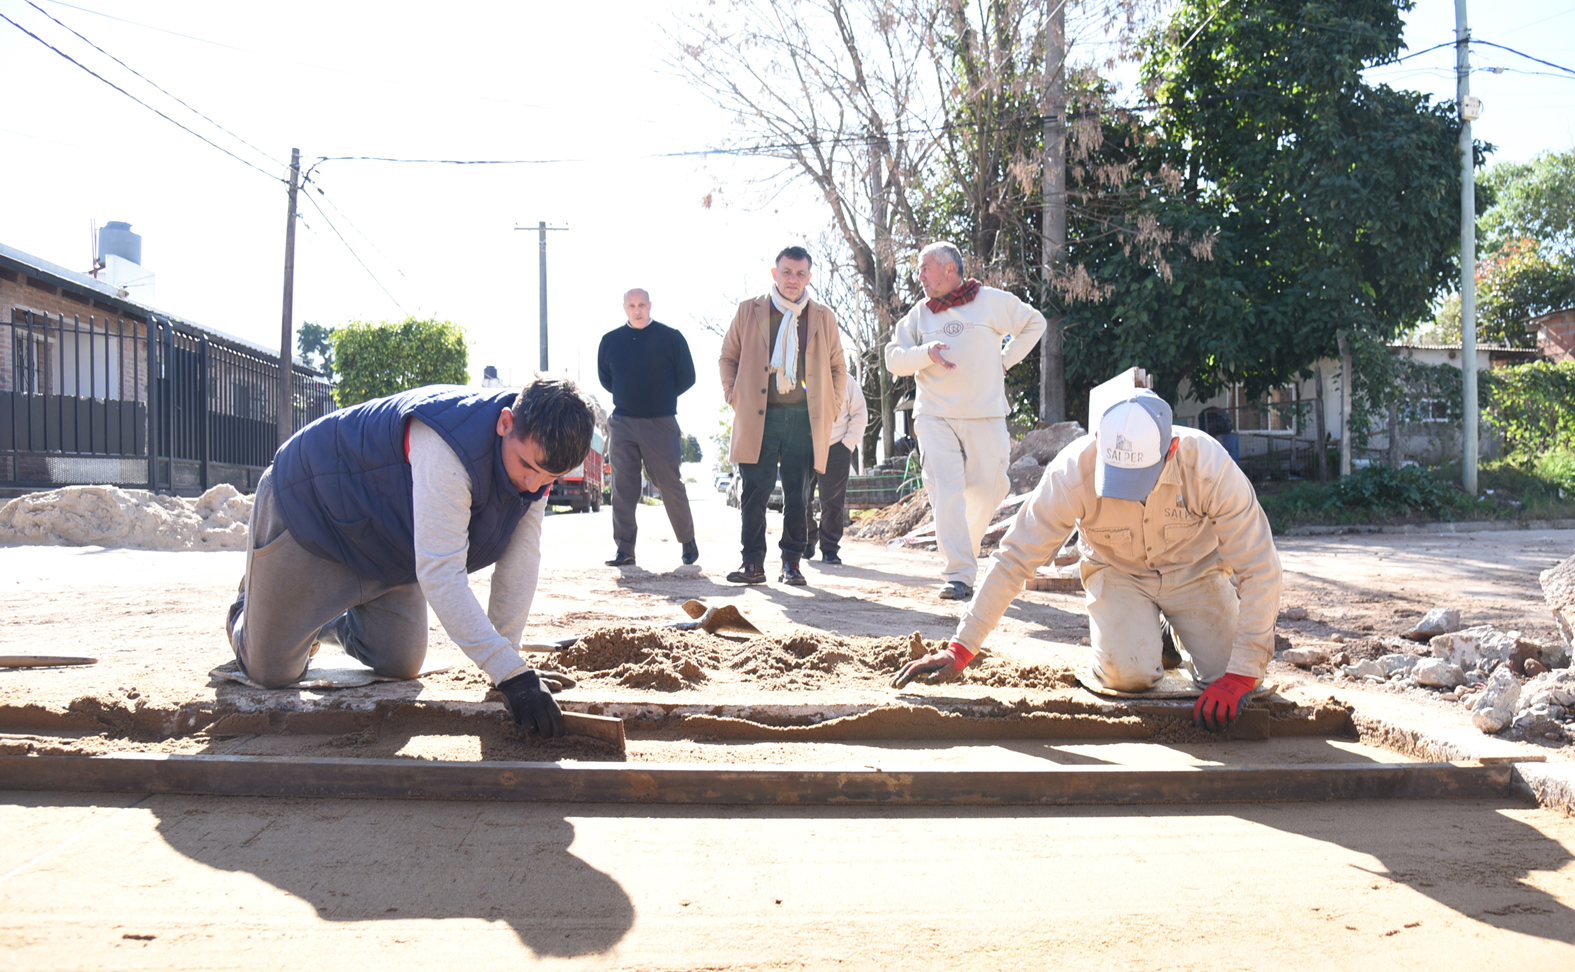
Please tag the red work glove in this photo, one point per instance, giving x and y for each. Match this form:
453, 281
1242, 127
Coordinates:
1219, 704
940, 666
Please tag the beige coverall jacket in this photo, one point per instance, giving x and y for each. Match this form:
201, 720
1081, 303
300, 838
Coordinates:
1201, 518
746, 374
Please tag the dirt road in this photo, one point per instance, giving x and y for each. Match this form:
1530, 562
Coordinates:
203, 883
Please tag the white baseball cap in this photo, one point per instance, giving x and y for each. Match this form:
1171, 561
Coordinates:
1134, 435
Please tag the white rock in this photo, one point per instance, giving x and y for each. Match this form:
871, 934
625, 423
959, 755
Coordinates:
1296, 614
1026, 462
1366, 668
1437, 673
1436, 622
1495, 707
1549, 688
1395, 664
1558, 588
1306, 657
1471, 647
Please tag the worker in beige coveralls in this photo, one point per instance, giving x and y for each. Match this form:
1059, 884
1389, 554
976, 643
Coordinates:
1166, 522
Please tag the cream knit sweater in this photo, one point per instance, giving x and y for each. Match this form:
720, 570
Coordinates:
973, 334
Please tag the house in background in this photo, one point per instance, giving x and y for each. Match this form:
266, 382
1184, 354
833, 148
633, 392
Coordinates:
1275, 434
1555, 334
97, 387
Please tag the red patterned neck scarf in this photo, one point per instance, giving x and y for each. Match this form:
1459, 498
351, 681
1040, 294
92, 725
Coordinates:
965, 293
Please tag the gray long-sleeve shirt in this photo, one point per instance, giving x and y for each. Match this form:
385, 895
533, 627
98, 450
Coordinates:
441, 490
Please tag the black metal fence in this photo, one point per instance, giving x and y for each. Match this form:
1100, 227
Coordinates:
82, 399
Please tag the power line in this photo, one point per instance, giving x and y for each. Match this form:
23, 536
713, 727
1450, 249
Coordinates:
353, 253
1526, 56
308, 180
144, 77
139, 100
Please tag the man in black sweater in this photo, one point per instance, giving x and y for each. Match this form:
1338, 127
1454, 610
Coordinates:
646, 365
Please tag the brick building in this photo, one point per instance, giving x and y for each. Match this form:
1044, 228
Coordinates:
77, 404
1555, 334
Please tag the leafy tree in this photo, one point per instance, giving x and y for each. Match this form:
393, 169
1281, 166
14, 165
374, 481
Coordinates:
1327, 204
1533, 200
315, 342
1521, 280
377, 359
690, 451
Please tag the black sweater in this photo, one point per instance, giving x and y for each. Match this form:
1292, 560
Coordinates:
646, 369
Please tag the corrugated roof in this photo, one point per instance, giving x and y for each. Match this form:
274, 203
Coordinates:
43, 269
1455, 347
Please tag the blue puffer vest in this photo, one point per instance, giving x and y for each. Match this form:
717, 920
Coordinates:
343, 484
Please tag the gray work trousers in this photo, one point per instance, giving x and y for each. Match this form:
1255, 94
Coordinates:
658, 444
290, 598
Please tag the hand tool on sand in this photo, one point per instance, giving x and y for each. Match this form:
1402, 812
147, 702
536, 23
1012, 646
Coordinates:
713, 618
44, 661
710, 618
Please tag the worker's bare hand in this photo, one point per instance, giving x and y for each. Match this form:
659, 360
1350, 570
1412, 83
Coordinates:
936, 667
935, 355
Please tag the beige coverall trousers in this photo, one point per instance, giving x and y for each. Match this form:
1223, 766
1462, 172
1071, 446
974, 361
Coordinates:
964, 464
1123, 620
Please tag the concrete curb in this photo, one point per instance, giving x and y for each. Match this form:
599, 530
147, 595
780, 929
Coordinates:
1549, 785
1464, 526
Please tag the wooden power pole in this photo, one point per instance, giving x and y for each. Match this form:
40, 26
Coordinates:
286, 403
1052, 366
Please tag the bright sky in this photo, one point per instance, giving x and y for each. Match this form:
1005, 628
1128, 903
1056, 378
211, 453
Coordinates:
586, 83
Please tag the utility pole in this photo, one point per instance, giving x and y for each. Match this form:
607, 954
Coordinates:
1470, 109
1052, 365
542, 228
286, 403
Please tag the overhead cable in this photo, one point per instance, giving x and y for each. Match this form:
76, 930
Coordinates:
140, 101
149, 80
353, 253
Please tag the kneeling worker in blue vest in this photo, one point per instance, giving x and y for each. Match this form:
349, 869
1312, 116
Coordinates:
374, 511
1167, 523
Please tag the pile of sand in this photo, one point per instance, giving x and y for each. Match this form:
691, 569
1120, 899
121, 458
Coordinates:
653, 658
668, 661
108, 516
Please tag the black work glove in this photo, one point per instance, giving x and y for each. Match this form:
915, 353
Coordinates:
530, 705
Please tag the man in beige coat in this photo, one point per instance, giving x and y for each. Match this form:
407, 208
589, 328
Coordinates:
783, 374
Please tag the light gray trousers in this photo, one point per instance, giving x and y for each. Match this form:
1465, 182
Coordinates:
290, 598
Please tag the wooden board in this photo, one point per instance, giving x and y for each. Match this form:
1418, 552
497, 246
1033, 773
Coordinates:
791, 785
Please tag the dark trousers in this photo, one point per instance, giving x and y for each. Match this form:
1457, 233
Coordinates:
833, 488
657, 444
785, 445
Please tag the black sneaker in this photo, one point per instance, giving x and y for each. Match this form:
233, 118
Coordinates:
830, 557
691, 552
956, 591
621, 560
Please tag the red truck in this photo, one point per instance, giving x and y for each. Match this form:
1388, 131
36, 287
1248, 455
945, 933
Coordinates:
581, 487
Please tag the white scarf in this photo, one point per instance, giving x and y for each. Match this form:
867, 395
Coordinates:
784, 355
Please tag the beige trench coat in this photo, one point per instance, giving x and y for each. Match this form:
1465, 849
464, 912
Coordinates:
746, 366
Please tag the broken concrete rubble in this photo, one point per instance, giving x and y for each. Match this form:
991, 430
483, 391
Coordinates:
1306, 657
1436, 622
1438, 673
1558, 589
1495, 705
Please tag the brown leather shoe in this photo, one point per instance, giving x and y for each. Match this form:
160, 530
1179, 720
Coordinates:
748, 573
791, 575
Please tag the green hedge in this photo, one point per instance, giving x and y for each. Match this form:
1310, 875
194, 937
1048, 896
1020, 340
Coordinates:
1533, 405
377, 359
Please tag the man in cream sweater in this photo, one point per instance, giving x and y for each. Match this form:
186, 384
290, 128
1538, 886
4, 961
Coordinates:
372, 512
958, 344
